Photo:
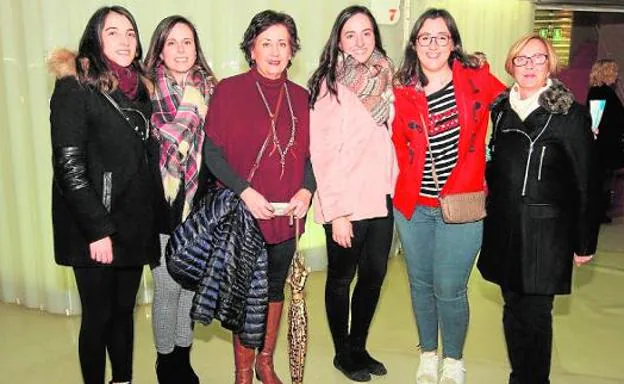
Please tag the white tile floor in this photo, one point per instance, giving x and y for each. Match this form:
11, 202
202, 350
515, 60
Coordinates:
37, 347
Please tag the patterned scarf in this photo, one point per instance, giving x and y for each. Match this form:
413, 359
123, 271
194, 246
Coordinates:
371, 82
180, 131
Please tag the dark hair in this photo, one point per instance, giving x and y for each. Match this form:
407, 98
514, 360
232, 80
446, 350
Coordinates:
90, 63
326, 70
159, 37
260, 23
410, 65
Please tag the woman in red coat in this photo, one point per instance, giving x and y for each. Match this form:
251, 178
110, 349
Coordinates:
440, 94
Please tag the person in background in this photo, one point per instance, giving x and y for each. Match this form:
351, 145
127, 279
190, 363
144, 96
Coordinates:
441, 98
540, 204
355, 168
258, 130
610, 138
104, 162
481, 57
184, 84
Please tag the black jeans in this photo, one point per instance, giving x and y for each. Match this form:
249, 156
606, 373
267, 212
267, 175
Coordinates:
107, 296
527, 321
280, 256
368, 254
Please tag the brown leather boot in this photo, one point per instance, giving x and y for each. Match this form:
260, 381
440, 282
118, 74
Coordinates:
243, 361
264, 361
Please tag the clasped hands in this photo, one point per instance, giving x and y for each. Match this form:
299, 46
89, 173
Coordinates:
261, 209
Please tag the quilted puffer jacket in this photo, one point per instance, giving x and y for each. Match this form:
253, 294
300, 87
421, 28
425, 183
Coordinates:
219, 253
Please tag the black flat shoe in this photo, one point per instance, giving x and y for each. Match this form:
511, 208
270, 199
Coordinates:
373, 366
350, 370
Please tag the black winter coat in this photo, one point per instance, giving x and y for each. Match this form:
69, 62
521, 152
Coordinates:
104, 175
610, 145
541, 195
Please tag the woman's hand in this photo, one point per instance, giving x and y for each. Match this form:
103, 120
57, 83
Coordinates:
257, 204
342, 231
299, 203
581, 260
102, 250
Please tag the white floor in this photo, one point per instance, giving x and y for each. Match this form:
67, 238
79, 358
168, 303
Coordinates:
37, 347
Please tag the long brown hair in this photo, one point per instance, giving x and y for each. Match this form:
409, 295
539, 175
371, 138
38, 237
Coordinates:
157, 43
90, 63
410, 69
326, 70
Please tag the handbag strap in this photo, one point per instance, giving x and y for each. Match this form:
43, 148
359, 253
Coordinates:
433, 168
126, 118
272, 118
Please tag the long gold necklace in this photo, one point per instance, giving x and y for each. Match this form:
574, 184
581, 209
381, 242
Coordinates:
273, 117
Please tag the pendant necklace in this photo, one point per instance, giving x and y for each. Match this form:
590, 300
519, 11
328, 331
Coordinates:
273, 117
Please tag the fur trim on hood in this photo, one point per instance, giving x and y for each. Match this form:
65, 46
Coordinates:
557, 99
62, 63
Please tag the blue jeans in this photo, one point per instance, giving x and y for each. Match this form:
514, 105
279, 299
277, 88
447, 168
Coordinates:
439, 259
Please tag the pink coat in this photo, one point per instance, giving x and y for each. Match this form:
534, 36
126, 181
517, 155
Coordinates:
353, 159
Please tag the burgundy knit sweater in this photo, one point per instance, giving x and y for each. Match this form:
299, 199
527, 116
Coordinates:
238, 123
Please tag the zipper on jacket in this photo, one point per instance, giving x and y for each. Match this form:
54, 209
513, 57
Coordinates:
526, 169
494, 130
107, 190
541, 163
531, 145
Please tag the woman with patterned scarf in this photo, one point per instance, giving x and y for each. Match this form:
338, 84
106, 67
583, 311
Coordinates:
355, 167
184, 84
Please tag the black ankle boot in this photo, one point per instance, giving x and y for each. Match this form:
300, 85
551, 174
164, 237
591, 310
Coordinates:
186, 374
345, 364
362, 358
165, 366
374, 367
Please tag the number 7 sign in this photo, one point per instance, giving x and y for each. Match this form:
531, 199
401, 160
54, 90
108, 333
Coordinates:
386, 12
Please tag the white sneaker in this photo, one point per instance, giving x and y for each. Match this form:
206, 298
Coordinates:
428, 368
453, 371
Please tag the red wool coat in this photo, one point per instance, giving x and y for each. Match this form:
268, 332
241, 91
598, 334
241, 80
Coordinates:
475, 89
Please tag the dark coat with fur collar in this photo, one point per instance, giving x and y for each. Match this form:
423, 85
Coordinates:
103, 171
541, 199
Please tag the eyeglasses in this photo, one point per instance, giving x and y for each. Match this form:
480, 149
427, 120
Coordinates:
426, 40
537, 59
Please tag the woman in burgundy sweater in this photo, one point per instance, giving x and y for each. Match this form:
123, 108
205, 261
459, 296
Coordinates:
256, 109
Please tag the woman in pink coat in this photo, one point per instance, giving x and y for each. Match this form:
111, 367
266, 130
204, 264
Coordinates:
355, 168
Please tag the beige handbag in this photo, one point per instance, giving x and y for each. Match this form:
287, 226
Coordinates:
457, 208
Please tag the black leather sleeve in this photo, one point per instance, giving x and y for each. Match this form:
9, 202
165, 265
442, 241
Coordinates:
70, 169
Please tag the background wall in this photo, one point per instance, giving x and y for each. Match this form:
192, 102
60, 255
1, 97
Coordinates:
30, 29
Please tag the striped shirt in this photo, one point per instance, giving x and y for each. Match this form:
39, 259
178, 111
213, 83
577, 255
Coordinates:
443, 138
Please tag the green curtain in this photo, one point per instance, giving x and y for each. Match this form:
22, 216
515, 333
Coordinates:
30, 29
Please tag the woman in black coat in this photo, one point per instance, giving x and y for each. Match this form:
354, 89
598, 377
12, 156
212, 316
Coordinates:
609, 141
541, 215
102, 194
